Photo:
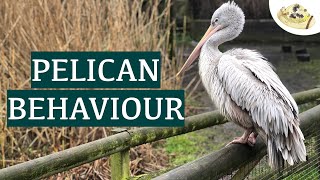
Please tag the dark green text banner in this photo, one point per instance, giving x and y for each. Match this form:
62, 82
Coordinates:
38, 108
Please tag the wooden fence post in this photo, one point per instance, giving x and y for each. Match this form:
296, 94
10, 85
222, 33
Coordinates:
318, 146
245, 170
120, 162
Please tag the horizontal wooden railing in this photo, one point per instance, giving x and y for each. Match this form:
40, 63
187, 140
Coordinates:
119, 143
235, 156
76, 156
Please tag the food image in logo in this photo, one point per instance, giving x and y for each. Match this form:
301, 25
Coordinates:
296, 16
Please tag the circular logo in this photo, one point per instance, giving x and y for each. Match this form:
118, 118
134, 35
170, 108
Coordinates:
300, 17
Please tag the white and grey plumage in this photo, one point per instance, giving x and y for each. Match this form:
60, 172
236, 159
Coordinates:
247, 91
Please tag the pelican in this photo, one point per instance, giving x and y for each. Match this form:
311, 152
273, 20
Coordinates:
247, 91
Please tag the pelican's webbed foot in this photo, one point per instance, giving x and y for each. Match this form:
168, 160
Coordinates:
248, 137
239, 140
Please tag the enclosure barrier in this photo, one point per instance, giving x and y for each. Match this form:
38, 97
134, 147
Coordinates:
120, 143
233, 157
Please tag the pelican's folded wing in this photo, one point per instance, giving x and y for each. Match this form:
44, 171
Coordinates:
253, 85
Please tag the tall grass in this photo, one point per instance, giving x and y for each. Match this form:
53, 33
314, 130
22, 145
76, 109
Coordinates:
77, 25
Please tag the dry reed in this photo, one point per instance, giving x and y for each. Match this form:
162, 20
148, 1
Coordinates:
77, 25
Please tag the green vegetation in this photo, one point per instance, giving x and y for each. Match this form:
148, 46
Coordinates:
299, 75
309, 173
184, 148
188, 147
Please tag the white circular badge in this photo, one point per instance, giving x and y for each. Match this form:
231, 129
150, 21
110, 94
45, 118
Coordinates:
300, 17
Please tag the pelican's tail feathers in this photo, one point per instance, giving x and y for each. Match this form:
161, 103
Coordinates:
290, 148
276, 160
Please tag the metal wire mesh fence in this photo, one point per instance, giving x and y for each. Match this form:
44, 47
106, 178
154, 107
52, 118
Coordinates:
306, 170
259, 169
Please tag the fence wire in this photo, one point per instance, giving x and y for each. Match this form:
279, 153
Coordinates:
308, 170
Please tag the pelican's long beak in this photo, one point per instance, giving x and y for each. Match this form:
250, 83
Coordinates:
196, 52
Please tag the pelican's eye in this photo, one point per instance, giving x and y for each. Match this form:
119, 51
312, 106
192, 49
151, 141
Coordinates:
216, 20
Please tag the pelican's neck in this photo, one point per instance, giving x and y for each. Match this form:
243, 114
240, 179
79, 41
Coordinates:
208, 61
211, 50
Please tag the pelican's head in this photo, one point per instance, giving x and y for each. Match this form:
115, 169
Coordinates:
230, 18
226, 24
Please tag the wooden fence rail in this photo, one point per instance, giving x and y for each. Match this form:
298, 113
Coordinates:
76, 156
235, 156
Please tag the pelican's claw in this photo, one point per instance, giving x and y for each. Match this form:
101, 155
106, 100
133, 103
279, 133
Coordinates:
251, 140
238, 140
